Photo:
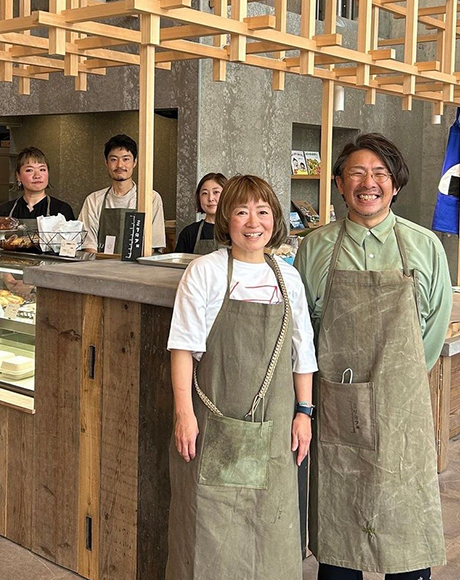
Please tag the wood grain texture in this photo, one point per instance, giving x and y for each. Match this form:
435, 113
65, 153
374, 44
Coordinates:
20, 482
155, 427
443, 414
90, 436
3, 467
454, 423
57, 428
119, 444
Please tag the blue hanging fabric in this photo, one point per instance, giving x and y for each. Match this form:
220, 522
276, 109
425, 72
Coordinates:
445, 218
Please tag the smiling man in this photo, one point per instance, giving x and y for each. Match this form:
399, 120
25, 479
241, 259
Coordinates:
380, 296
103, 211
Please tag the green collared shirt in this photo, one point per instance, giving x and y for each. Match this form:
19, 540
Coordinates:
376, 249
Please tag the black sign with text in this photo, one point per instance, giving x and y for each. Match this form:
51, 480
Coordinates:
132, 236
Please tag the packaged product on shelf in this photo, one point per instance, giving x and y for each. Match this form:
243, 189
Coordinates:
298, 163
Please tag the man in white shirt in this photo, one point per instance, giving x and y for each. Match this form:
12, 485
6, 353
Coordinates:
103, 211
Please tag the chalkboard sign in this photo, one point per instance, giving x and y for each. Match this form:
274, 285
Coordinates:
133, 235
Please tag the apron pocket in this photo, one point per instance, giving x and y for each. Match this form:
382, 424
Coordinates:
347, 414
235, 453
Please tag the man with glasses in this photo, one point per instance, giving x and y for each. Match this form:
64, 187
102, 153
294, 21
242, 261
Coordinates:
380, 297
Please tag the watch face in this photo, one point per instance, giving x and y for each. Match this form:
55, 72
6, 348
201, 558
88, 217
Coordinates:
305, 410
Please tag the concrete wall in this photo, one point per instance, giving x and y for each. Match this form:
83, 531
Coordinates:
246, 127
74, 146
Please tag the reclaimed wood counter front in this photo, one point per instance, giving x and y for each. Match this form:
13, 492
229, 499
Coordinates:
99, 489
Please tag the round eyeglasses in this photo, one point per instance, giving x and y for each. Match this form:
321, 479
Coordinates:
379, 176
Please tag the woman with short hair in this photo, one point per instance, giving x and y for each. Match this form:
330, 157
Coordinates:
241, 335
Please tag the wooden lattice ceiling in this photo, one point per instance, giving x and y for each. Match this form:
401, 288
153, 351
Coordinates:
78, 45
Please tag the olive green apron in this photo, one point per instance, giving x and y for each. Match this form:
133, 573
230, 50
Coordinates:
374, 498
203, 246
111, 223
239, 532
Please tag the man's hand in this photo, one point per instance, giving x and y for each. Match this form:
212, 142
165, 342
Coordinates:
186, 432
301, 436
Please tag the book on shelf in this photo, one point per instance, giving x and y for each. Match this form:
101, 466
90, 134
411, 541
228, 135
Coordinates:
298, 164
308, 214
312, 162
295, 221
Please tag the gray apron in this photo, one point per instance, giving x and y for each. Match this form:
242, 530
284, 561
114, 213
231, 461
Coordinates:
111, 223
31, 223
237, 533
203, 246
374, 500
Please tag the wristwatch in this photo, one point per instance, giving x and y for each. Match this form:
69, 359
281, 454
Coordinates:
305, 408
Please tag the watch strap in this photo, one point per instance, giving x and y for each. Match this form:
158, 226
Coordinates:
305, 409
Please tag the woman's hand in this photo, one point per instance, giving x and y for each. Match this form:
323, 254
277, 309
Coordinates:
301, 436
186, 432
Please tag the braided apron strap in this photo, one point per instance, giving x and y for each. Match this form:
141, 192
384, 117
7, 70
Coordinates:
273, 360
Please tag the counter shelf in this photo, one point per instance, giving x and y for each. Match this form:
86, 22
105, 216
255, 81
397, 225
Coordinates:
17, 334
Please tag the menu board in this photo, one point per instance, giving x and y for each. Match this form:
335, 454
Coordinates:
132, 236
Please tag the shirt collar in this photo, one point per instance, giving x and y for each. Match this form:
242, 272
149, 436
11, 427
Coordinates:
381, 231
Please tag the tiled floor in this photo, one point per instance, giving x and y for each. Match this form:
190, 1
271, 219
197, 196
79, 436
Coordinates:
16, 563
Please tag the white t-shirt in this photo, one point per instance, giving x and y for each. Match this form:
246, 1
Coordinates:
202, 290
92, 206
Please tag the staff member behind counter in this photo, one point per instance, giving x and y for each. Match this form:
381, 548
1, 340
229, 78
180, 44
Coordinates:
32, 178
198, 238
103, 211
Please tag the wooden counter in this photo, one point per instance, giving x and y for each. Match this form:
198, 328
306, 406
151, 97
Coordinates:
445, 396
85, 482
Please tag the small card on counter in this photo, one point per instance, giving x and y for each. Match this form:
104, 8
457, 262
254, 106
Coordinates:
109, 246
68, 248
133, 236
11, 311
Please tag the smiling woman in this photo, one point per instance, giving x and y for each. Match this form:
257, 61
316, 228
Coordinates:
32, 175
229, 309
198, 238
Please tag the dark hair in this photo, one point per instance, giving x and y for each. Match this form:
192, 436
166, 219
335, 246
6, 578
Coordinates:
383, 148
120, 142
239, 190
217, 177
29, 154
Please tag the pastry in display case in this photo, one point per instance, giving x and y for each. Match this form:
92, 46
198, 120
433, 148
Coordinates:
17, 317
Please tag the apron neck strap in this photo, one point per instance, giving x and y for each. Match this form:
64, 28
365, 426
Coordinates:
102, 208
198, 235
14, 207
402, 250
229, 273
333, 264
335, 258
48, 205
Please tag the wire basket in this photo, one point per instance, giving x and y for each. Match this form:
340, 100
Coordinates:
50, 242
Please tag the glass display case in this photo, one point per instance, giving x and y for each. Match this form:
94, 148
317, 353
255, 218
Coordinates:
17, 318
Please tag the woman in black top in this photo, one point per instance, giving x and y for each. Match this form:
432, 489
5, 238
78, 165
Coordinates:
32, 175
198, 238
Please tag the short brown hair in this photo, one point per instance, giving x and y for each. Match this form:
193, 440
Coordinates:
383, 148
24, 156
238, 191
31, 153
217, 177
